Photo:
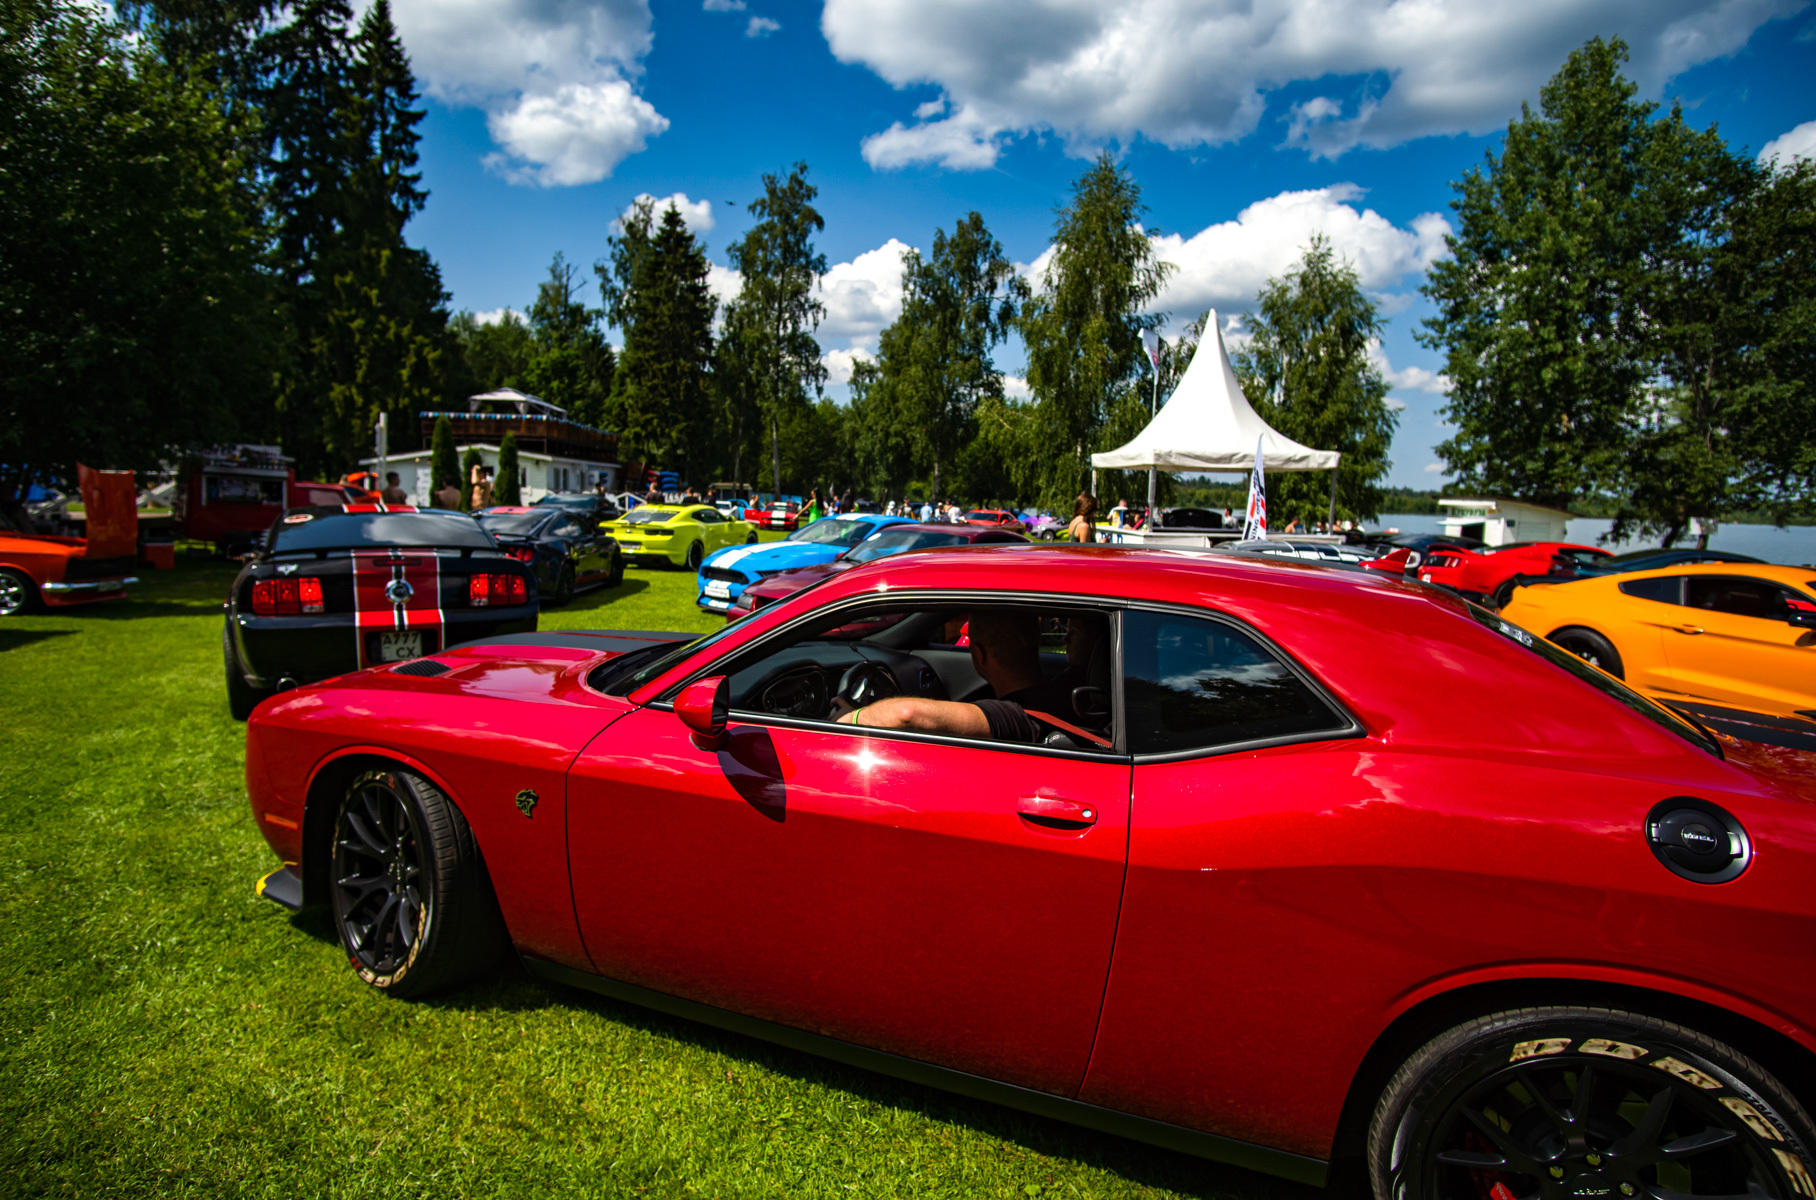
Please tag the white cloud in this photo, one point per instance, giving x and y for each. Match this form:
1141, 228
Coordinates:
761, 27
553, 76
839, 363
862, 296
723, 5
1016, 388
1434, 468
1189, 72
493, 316
696, 214
1416, 379
1797, 143
1224, 266
723, 282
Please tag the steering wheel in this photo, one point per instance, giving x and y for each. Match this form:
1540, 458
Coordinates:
866, 683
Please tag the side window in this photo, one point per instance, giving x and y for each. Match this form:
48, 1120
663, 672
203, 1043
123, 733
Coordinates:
1191, 683
1666, 589
708, 516
566, 529
1736, 596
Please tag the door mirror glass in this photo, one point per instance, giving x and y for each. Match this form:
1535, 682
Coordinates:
704, 706
1800, 613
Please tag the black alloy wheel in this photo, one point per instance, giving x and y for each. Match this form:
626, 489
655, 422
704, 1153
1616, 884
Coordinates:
1504, 592
617, 573
1586, 1104
564, 586
752, 539
412, 903
17, 594
1591, 647
695, 552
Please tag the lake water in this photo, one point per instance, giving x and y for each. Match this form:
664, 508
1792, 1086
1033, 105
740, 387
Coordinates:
1794, 544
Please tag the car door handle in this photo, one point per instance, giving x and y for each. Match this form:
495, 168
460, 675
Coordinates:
1062, 814
1691, 629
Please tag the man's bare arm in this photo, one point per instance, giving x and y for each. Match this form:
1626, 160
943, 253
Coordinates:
925, 716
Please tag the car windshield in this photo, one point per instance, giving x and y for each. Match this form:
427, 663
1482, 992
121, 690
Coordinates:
566, 501
647, 516
1658, 714
657, 660
520, 524
345, 531
895, 541
832, 533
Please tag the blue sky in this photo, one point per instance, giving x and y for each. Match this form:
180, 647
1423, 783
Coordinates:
1249, 126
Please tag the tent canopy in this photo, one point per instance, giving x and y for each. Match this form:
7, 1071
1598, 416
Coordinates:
1208, 425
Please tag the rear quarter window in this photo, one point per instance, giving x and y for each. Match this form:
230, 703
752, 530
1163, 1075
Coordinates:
1667, 589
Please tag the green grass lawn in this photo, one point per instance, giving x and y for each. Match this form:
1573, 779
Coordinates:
166, 1033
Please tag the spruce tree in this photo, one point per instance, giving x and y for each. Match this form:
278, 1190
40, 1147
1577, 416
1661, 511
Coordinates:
509, 488
659, 299
444, 467
572, 366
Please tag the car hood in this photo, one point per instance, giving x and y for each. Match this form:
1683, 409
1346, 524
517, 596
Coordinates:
775, 556
787, 583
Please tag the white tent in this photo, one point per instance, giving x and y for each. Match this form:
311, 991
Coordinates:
1209, 425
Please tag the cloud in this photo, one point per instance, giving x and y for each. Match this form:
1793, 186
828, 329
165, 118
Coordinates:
1016, 388
839, 364
493, 316
1224, 266
862, 296
555, 78
723, 282
761, 27
1416, 379
723, 5
1201, 72
1434, 468
696, 214
1797, 143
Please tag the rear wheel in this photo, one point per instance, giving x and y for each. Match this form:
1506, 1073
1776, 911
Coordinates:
564, 586
242, 697
412, 902
1586, 1104
695, 552
1501, 595
19, 595
1591, 647
617, 573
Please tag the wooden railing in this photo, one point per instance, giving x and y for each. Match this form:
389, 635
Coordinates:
544, 435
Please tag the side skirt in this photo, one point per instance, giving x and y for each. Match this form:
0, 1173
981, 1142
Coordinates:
1283, 1163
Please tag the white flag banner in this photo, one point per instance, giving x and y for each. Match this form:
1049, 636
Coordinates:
1150, 342
1256, 524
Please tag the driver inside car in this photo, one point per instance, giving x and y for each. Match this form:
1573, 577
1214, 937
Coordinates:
1005, 650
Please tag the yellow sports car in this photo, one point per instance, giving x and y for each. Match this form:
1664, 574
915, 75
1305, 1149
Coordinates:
677, 534
1738, 635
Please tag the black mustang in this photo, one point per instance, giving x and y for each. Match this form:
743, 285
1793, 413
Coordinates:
334, 589
564, 546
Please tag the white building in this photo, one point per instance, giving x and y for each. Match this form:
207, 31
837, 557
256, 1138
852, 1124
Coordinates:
1498, 521
538, 474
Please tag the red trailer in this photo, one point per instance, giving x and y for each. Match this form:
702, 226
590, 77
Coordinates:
232, 494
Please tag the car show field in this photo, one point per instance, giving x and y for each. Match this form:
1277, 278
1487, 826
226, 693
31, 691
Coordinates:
167, 1032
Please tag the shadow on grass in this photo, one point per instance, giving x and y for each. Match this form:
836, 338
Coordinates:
605, 597
513, 989
12, 639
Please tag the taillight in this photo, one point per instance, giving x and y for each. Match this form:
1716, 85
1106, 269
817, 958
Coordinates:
278, 597
309, 591
521, 553
486, 590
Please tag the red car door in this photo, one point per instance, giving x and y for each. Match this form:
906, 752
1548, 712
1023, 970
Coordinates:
891, 890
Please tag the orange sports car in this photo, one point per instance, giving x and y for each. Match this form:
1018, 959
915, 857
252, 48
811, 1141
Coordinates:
1727, 635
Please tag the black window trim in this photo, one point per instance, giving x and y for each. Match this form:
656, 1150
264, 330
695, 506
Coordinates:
1112, 608
1679, 580
1352, 728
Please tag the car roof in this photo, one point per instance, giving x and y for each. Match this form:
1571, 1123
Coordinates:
1804, 577
507, 508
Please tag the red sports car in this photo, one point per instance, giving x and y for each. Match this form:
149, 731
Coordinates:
782, 514
1492, 573
1487, 922
891, 541
993, 517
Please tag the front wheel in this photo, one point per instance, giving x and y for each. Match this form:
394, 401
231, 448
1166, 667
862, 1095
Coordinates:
412, 902
1586, 1104
19, 595
1589, 646
752, 539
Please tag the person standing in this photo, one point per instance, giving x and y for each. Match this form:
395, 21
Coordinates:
482, 488
394, 490
812, 511
448, 496
1082, 527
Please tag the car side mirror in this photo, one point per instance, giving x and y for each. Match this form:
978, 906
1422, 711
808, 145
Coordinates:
1802, 616
704, 706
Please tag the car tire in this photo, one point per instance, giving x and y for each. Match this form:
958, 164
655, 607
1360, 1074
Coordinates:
413, 905
752, 539
695, 552
564, 586
1498, 1107
242, 697
1589, 646
18, 594
1502, 594
616, 576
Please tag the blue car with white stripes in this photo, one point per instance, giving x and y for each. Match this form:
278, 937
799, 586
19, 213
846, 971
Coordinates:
724, 573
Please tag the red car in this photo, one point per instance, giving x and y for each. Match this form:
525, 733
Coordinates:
993, 516
782, 514
894, 540
1488, 921
40, 570
1493, 572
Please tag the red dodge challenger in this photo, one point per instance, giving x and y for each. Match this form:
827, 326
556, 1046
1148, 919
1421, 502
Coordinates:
1280, 865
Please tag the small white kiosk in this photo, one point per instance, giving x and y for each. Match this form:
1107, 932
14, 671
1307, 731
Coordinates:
1209, 426
1498, 521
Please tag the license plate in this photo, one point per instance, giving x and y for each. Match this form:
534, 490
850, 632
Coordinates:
718, 589
630, 545
396, 647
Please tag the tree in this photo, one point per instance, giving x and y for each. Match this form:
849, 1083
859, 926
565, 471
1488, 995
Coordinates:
493, 354
935, 357
573, 364
1083, 327
778, 305
735, 386
1308, 373
657, 295
468, 461
135, 319
444, 468
882, 442
510, 481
